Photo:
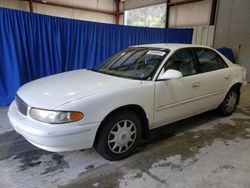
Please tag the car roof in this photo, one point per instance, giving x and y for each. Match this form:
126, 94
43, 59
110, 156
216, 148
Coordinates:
171, 46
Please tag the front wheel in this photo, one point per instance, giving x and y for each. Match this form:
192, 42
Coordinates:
229, 104
119, 136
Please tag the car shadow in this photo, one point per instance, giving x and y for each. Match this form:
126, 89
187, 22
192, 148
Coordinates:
170, 130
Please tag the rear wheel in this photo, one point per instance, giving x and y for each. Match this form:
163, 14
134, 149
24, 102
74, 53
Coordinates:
119, 136
229, 104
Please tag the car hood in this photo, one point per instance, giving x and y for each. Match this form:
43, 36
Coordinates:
53, 91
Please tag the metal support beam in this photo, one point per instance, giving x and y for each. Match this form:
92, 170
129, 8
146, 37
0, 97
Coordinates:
183, 2
213, 12
117, 11
31, 5
167, 14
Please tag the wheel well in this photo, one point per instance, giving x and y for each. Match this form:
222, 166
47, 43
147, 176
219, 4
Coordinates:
237, 86
134, 108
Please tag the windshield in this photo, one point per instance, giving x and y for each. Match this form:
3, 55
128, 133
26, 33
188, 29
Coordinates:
135, 63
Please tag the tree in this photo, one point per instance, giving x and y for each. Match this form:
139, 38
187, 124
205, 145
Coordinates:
152, 16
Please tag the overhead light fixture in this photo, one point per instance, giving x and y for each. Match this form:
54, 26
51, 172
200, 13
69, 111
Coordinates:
44, 1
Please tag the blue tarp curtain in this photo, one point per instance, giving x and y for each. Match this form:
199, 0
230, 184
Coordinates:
34, 45
228, 53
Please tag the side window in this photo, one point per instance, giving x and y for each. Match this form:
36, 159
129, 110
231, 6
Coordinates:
183, 61
209, 60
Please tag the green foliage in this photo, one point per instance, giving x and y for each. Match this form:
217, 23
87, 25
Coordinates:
152, 16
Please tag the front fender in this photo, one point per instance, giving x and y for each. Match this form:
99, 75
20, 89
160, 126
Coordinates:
96, 107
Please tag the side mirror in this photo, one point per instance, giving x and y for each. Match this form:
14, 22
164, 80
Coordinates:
170, 74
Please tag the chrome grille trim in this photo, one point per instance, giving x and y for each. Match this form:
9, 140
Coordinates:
21, 106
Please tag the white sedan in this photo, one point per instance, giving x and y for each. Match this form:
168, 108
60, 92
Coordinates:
114, 105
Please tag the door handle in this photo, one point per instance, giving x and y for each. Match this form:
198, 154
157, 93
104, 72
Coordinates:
196, 85
227, 76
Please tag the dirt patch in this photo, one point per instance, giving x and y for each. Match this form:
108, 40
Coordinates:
30, 159
57, 162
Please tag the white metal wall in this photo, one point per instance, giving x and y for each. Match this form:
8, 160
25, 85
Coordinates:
190, 15
233, 29
203, 35
108, 5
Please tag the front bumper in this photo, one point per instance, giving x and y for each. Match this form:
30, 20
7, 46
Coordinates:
55, 138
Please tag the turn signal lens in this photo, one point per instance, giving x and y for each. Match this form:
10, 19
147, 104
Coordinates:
76, 116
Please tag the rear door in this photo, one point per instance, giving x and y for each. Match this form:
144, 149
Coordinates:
214, 78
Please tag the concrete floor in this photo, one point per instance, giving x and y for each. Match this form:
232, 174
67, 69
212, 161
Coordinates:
203, 151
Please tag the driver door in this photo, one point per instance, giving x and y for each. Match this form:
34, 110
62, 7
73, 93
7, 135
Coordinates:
174, 99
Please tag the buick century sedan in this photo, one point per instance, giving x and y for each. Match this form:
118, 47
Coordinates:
114, 105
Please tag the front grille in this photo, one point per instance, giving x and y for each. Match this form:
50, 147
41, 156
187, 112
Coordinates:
21, 105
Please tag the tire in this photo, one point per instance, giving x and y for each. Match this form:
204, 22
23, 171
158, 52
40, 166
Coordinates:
230, 102
119, 136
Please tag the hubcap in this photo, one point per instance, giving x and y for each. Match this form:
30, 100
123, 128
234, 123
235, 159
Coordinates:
122, 136
231, 101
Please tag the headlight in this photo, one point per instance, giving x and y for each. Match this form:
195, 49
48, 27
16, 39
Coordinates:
54, 117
